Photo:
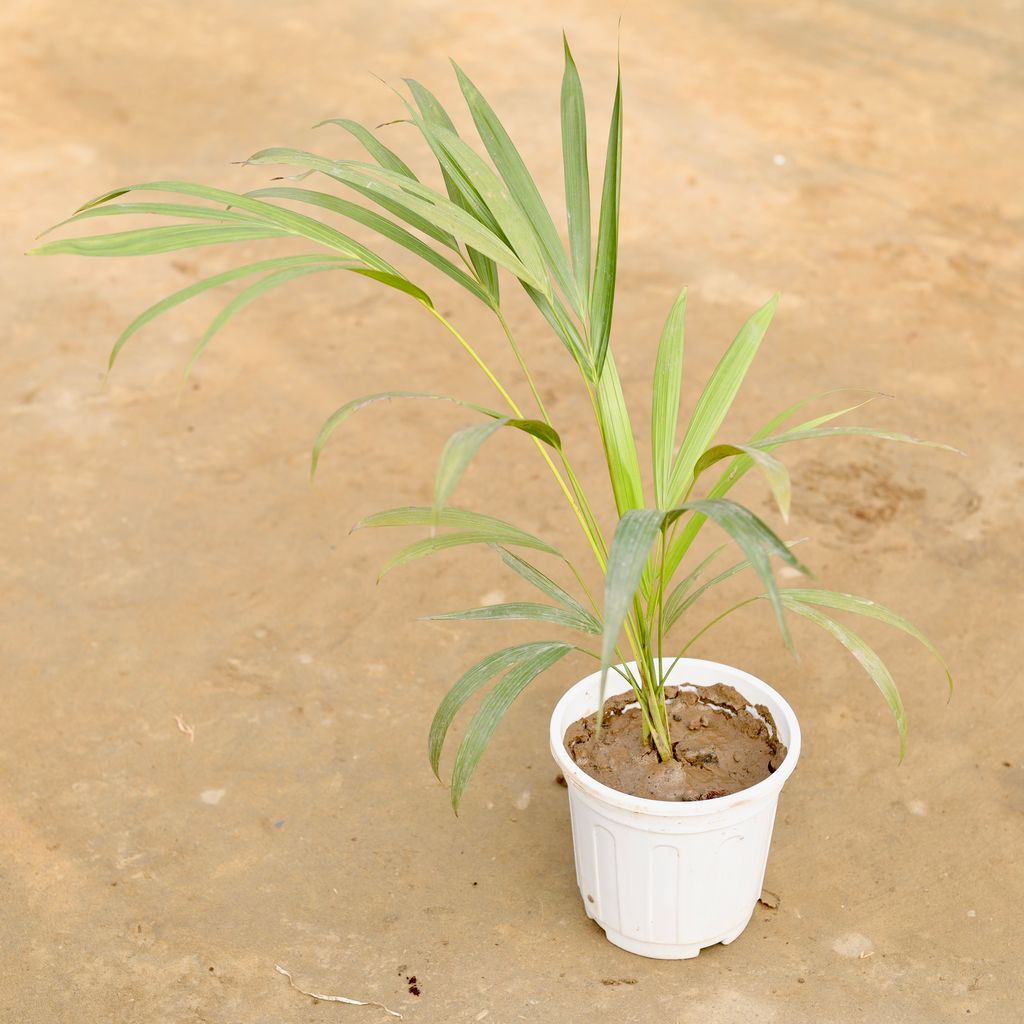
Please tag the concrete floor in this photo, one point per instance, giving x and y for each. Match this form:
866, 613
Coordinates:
163, 555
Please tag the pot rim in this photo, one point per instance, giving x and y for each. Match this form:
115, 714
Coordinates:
766, 788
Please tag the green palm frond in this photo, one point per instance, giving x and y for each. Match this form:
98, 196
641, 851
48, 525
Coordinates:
488, 220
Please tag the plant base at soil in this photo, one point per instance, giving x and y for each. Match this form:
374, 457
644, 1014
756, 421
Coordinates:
720, 745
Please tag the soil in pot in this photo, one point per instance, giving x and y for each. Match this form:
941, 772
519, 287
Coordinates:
720, 745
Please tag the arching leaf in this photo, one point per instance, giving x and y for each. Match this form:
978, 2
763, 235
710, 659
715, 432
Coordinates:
384, 227
602, 297
150, 241
869, 661
491, 711
576, 172
717, 398
467, 685
775, 471
460, 448
668, 380
535, 612
868, 609
343, 412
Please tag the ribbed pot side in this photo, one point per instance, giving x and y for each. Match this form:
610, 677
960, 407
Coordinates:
665, 879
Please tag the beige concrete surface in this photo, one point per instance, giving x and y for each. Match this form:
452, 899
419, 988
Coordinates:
163, 555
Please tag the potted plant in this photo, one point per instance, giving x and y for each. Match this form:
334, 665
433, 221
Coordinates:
673, 781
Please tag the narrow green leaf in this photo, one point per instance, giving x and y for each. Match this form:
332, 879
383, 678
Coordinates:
545, 585
868, 609
576, 172
460, 189
626, 560
389, 160
250, 294
494, 706
521, 234
471, 527
741, 465
538, 429
681, 599
341, 414
668, 381
521, 186
457, 518
869, 661
777, 420
294, 223
216, 281
603, 293
411, 195
384, 227
430, 107
885, 435
487, 271
396, 281
384, 156
755, 539
523, 610
444, 541
676, 606
403, 212
103, 197
467, 685
185, 210
463, 445
619, 442
775, 472
716, 399
460, 192
149, 241
558, 317
672, 606
456, 456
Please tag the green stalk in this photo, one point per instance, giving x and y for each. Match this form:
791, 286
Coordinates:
581, 497
718, 618
522, 365
518, 412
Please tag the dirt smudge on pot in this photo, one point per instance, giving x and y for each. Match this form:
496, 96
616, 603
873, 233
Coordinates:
721, 744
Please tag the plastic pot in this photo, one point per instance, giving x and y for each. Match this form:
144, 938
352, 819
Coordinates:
665, 879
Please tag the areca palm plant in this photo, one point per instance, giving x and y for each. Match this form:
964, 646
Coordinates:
489, 223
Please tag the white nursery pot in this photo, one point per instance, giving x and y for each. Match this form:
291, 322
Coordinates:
665, 879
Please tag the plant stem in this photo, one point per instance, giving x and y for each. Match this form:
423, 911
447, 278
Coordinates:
476, 358
595, 543
522, 365
718, 618
594, 530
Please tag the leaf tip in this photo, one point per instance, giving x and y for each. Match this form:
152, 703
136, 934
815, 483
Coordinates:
567, 51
